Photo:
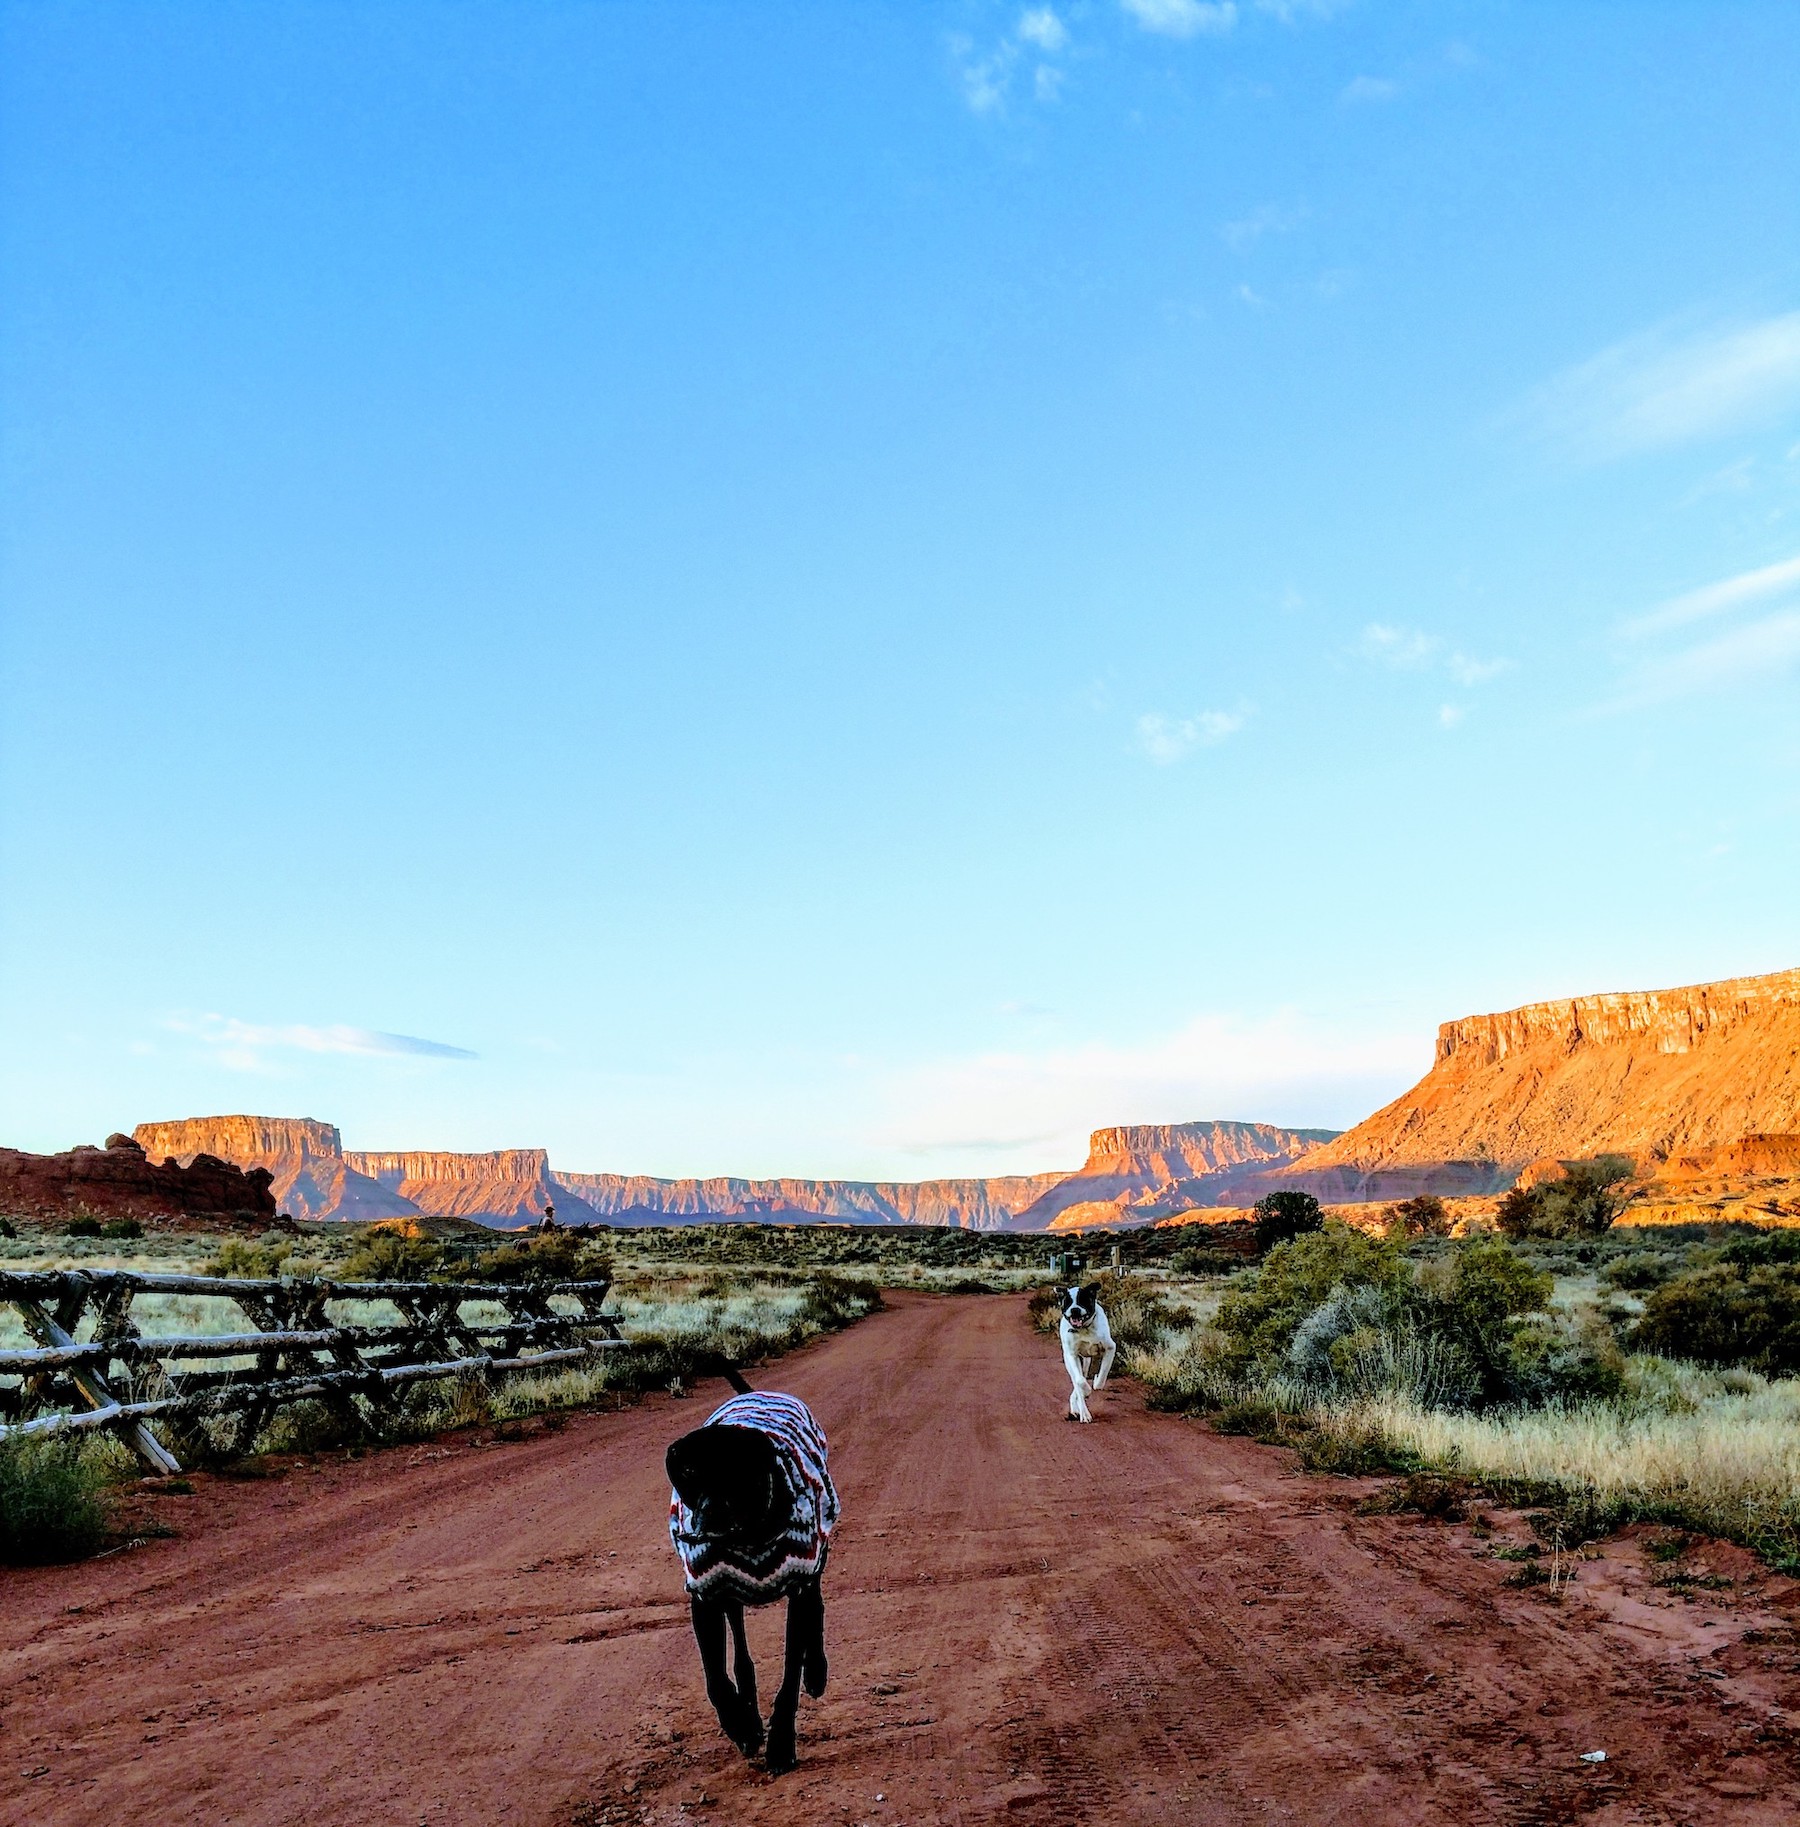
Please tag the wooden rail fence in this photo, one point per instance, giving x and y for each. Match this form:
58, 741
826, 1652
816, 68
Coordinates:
287, 1349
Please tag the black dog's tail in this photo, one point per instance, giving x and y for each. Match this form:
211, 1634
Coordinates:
732, 1375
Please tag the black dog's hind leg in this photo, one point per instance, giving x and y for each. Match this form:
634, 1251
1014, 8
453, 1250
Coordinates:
805, 1641
741, 1723
812, 1666
742, 1668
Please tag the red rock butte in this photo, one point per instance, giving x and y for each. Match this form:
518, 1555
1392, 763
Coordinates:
1654, 1074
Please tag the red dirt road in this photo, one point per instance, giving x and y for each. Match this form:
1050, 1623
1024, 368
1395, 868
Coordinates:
1137, 1621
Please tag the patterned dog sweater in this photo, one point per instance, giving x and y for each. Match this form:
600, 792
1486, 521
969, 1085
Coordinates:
760, 1572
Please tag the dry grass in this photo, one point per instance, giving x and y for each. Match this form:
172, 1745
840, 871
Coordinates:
1724, 1458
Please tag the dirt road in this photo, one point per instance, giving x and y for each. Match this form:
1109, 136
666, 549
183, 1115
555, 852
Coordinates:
1028, 1620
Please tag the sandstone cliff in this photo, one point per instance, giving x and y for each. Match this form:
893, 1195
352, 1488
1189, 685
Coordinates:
304, 1158
1131, 1172
121, 1181
981, 1205
1146, 1170
510, 1186
1653, 1074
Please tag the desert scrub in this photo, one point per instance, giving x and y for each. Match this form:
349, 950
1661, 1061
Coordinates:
52, 1506
1724, 1461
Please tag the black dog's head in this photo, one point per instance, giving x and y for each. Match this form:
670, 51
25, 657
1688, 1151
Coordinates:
728, 1479
1078, 1305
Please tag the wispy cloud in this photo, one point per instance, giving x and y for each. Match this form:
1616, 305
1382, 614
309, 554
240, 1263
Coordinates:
1365, 89
1270, 219
1665, 388
1183, 18
1406, 649
246, 1045
1412, 650
1167, 739
1731, 593
1467, 671
1758, 650
1762, 647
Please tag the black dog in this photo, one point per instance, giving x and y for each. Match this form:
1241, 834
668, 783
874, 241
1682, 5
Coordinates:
751, 1516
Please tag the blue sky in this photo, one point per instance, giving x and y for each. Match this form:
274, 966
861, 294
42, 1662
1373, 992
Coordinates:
859, 589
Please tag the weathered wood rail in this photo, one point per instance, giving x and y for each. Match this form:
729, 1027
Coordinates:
121, 1379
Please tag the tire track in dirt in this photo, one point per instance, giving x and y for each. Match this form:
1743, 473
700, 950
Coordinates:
1028, 1621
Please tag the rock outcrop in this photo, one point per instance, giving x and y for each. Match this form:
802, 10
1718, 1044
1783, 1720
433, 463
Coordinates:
304, 1159
1657, 1075
510, 1186
121, 1181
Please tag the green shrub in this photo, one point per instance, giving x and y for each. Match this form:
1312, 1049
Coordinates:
123, 1228
50, 1500
1642, 1269
1285, 1215
548, 1256
1727, 1314
1555, 1360
1472, 1299
1772, 1246
390, 1256
1261, 1314
1424, 1216
1581, 1204
237, 1260
82, 1225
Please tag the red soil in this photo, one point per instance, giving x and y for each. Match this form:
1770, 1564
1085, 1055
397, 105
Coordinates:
1137, 1621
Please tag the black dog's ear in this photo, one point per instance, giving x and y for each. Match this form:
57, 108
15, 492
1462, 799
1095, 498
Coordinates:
1090, 1291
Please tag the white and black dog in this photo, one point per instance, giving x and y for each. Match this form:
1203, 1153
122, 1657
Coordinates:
1087, 1341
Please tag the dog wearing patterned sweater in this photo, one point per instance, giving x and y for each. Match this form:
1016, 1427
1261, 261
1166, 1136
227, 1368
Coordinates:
751, 1515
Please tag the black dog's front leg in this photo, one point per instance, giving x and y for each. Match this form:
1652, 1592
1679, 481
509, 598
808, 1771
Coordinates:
805, 1654
742, 1725
742, 1668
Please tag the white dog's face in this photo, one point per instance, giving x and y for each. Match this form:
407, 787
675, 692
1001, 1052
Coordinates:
1078, 1306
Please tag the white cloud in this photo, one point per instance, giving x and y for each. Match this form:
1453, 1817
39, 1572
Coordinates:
1403, 648
1039, 25
1756, 652
1167, 739
1660, 389
1270, 219
1370, 89
246, 1045
984, 80
1719, 599
1043, 1103
1467, 671
1291, 12
1183, 18
1412, 650
1047, 83
1450, 715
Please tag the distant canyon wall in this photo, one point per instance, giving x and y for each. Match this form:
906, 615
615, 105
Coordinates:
1132, 1172
979, 1205
507, 1186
